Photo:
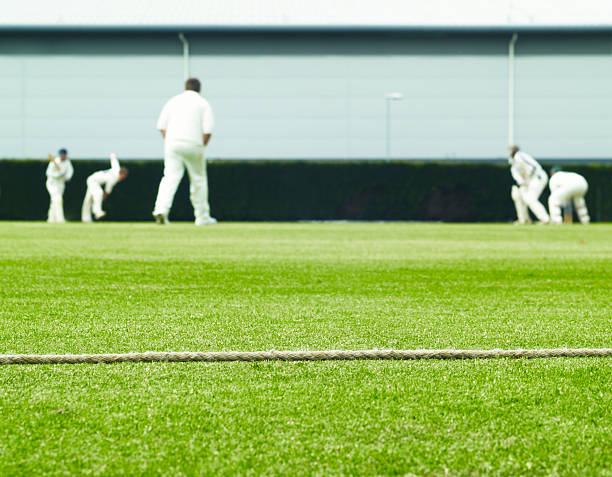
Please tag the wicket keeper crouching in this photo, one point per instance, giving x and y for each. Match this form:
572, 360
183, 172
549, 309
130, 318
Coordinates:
564, 188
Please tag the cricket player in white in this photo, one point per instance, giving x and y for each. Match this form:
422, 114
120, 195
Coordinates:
59, 171
186, 123
95, 194
531, 181
564, 187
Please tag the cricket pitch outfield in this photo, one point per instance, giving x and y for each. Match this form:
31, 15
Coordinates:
114, 288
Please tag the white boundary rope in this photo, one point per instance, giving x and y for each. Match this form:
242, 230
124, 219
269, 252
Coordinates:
250, 356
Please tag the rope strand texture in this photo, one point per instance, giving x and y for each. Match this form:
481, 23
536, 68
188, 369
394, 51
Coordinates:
250, 356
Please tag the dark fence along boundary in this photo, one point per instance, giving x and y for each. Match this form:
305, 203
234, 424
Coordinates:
301, 190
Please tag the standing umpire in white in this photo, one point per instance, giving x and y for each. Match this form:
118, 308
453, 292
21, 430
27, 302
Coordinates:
531, 181
186, 123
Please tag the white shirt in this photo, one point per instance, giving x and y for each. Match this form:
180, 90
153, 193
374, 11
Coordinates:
524, 167
63, 171
561, 180
108, 177
186, 117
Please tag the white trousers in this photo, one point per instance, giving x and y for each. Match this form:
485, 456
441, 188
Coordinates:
92, 201
574, 191
528, 195
177, 157
56, 187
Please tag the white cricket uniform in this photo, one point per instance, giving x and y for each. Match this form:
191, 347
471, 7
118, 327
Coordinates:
95, 194
564, 187
531, 181
185, 118
58, 173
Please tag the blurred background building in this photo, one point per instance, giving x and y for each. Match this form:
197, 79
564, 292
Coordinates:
311, 80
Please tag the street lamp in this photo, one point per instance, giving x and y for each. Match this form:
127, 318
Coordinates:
388, 98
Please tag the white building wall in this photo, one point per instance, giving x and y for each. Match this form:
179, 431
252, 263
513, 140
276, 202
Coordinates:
564, 96
303, 96
87, 104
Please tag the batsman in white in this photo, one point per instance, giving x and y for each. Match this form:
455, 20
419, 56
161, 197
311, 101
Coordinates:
530, 182
186, 123
59, 171
565, 187
95, 195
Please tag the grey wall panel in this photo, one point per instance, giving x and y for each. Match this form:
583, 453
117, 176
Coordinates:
564, 97
310, 97
52, 106
11, 106
10, 128
306, 96
9, 84
91, 104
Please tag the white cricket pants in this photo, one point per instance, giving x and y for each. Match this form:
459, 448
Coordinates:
92, 201
576, 190
177, 157
528, 195
56, 188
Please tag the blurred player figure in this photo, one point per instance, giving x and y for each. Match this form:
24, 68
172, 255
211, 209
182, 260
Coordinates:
564, 188
59, 171
186, 123
531, 181
95, 194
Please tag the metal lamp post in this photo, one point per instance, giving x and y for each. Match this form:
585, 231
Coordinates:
185, 55
388, 98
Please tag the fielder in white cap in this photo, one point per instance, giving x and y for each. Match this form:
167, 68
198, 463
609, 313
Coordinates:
59, 171
186, 123
566, 187
530, 182
99, 185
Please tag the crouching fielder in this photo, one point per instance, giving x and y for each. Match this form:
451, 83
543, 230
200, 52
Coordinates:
531, 181
95, 194
59, 171
564, 187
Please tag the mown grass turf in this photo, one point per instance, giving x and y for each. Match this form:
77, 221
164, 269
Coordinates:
119, 288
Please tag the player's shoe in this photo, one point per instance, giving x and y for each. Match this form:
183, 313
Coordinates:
206, 221
101, 215
161, 219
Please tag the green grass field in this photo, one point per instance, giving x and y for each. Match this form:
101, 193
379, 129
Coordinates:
123, 287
